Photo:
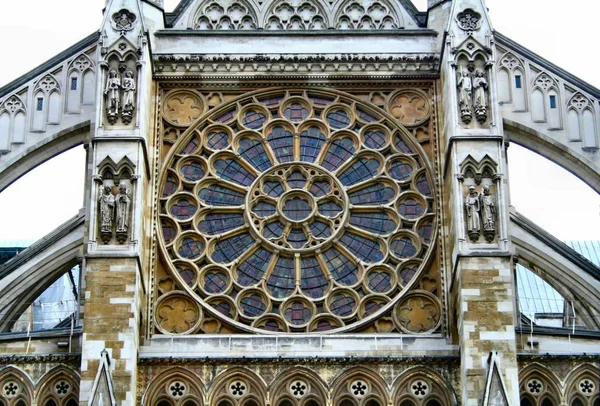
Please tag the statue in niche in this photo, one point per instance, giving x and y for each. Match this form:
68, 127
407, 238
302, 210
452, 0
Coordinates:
128, 103
473, 207
106, 203
123, 203
480, 84
488, 212
112, 90
465, 96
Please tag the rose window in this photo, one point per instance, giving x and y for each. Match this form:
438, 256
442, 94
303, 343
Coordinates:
296, 212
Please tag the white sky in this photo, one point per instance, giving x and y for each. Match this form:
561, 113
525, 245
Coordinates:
33, 31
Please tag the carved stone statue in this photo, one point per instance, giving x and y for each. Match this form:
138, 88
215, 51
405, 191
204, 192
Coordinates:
465, 96
488, 212
112, 90
128, 104
106, 203
472, 205
123, 203
480, 84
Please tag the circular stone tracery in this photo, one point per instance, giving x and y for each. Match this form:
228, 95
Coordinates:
313, 212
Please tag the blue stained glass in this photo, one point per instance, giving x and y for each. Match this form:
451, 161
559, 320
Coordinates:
411, 208
375, 139
341, 268
218, 140
254, 152
282, 281
372, 307
338, 152
296, 180
375, 194
296, 112
273, 188
425, 231
231, 170
222, 307
253, 268
320, 230
320, 188
170, 186
187, 275
274, 230
313, 282
297, 209
380, 282
253, 305
193, 171
254, 119
217, 195
330, 209
226, 117
378, 223
219, 223
365, 116
169, 232
190, 147
183, 209
408, 272
364, 248
191, 248
359, 171
297, 238
401, 170
282, 144
320, 100
311, 142
401, 145
263, 209
215, 282
298, 313
342, 305
403, 247
423, 185
271, 100
232, 248
338, 119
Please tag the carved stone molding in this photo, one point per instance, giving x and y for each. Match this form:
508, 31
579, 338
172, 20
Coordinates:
123, 20
469, 20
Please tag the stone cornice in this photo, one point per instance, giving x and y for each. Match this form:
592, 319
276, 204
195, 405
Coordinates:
73, 359
297, 64
350, 360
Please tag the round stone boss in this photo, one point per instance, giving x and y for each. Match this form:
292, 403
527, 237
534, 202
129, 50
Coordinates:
293, 209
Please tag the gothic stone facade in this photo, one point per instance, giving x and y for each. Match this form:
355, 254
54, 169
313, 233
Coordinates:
299, 203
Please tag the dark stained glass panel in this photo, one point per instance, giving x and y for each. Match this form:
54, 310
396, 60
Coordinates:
232, 248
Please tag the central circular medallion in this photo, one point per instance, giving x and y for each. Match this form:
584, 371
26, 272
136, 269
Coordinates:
296, 206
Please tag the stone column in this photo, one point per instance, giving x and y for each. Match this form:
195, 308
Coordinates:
116, 262
482, 290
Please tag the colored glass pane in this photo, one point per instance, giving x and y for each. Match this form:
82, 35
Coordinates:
170, 186
330, 209
320, 188
252, 269
217, 140
378, 223
215, 282
193, 171
311, 142
425, 231
297, 209
296, 180
407, 273
401, 170
281, 142
219, 223
341, 268
338, 152
274, 230
313, 282
423, 185
282, 281
403, 247
372, 307
364, 116
364, 248
263, 209
338, 119
374, 194
297, 238
232, 248
401, 145
188, 276
320, 230
342, 305
216, 195
254, 152
375, 139
226, 117
380, 282
190, 147
411, 209
183, 209
169, 232
191, 248
298, 313
296, 112
253, 306
231, 170
254, 119
360, 171
273, 188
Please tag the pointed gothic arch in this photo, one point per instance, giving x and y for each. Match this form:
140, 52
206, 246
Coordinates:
298, 386
422, 386
175, 387
17, 388
582, 384
237, 386
540, 386
359, 386
58, 387
226, 15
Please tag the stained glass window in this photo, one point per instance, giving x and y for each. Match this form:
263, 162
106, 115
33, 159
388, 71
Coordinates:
296, 224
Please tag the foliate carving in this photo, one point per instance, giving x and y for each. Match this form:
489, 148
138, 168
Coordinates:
418, 312
366, 15
120, 96
182, 108
469, 20
11, 389
177, 314
410, 107
225, 15
326, 197
359, 388
124, 20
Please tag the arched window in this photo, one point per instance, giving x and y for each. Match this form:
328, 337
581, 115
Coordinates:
525, 401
